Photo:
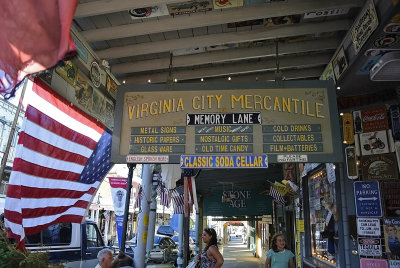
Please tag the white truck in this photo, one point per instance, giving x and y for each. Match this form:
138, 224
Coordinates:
76, 245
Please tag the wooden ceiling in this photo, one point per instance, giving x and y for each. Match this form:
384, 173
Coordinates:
216, 44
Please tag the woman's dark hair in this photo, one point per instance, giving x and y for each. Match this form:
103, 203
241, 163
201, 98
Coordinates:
273, 243
213, 241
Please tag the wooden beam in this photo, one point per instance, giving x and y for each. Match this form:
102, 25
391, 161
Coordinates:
231, 69
219, 56
224, 38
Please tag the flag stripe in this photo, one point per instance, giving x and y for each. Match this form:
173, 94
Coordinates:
32, 222
34, 192
29, 168
46, 211
44, 161
64, 218
32, 181
41, 119
56, 140
52, 151
50, 103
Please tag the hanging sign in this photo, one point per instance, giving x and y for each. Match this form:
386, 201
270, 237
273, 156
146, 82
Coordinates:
351, 163
367, 198
375, 263
224, 161
297, 122
368, 227
348, 130
118, 192
364, 26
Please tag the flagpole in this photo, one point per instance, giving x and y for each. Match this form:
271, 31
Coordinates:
12, 131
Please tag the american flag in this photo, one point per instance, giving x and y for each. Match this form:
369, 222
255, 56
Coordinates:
164, 194
139, 196
177, 198
278, 198
61, 157
31, 46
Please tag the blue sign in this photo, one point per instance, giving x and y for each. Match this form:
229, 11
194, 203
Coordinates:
368, 199
224, 161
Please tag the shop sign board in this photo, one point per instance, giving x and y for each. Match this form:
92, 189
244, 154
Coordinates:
369, 247
368, 227
326, 12
286, 122
376, 263
367, 199
238, 202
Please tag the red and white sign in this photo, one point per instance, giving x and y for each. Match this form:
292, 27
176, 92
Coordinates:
373, 263
369, 247
147, 158
374, 119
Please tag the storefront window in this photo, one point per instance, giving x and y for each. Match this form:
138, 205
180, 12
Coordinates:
323, 212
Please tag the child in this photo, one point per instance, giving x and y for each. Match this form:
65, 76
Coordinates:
278, 256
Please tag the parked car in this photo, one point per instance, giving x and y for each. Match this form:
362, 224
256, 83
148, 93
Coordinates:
165, 249
192, 245
75, 244
165, 230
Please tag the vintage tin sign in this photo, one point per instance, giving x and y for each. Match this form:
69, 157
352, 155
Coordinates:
351, 163
374, 119
219, 4
391, 199
357, 122
369, 247
364, 26
348, 130
189, 7
368, 227
394, 112
379, 167
374, 143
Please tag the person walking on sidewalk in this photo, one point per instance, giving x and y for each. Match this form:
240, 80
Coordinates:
278, 256
210, 256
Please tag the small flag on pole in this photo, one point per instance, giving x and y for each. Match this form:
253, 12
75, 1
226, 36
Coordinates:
177, 198
139, 196
278, 198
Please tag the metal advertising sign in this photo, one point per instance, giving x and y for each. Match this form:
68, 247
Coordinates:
248, 125
379, 167
351, 163
348, 129
376, 263
364, 26
391, 198
374, 119
369, 247
368, 227
367, 199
